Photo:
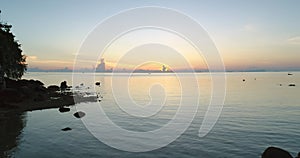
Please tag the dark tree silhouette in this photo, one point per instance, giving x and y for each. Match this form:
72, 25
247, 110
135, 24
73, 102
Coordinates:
12, 61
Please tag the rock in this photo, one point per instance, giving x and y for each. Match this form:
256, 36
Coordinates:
97, 83
26, 91
10, 95
66, 129
274, 152
63, 109
298, 155
53, 88
79, 114
40, 97
40, 89
292, 85
244, 80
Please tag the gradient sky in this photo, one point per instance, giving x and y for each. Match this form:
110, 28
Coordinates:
248, 34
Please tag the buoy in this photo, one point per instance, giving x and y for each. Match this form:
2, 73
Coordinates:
97, 83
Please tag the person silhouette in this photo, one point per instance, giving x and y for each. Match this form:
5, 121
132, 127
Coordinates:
63, 86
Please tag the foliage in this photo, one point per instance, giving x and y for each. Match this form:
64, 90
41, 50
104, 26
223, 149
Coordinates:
12, 61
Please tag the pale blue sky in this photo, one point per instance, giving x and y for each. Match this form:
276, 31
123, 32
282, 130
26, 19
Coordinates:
248, 34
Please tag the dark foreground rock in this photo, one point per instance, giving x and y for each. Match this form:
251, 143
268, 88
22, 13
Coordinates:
274, 152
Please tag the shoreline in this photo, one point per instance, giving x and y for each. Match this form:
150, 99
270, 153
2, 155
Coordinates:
29, 95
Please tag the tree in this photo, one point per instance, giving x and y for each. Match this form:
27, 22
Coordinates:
12, 61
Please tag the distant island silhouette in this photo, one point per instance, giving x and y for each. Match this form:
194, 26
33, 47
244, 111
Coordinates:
156, 71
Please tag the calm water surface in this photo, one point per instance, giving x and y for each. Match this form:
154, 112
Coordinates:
257, 113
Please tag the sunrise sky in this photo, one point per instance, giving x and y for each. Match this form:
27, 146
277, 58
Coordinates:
248, 34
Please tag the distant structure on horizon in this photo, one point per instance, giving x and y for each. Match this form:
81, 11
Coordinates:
101, 66
164, 68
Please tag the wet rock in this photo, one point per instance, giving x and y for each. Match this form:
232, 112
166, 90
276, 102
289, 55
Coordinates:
63, 109
66, 129
244, 80
274, 152
53, 88
79, 114
97, 83
292, 85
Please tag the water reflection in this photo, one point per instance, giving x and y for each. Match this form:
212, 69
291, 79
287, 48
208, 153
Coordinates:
11, 126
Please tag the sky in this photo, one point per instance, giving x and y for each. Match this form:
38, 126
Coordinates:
248, 34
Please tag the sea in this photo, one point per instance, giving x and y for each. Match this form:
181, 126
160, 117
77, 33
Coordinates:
260, 109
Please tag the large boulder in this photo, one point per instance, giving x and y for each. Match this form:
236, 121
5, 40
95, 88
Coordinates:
274, 152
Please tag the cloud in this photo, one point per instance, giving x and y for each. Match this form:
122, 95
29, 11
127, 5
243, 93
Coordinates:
31, 57
54, 62
294, 40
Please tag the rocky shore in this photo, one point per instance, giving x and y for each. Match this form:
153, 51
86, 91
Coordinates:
29, 95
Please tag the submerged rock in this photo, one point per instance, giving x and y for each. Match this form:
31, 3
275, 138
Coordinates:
79, 114
63, 109
274, 152
66, 129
